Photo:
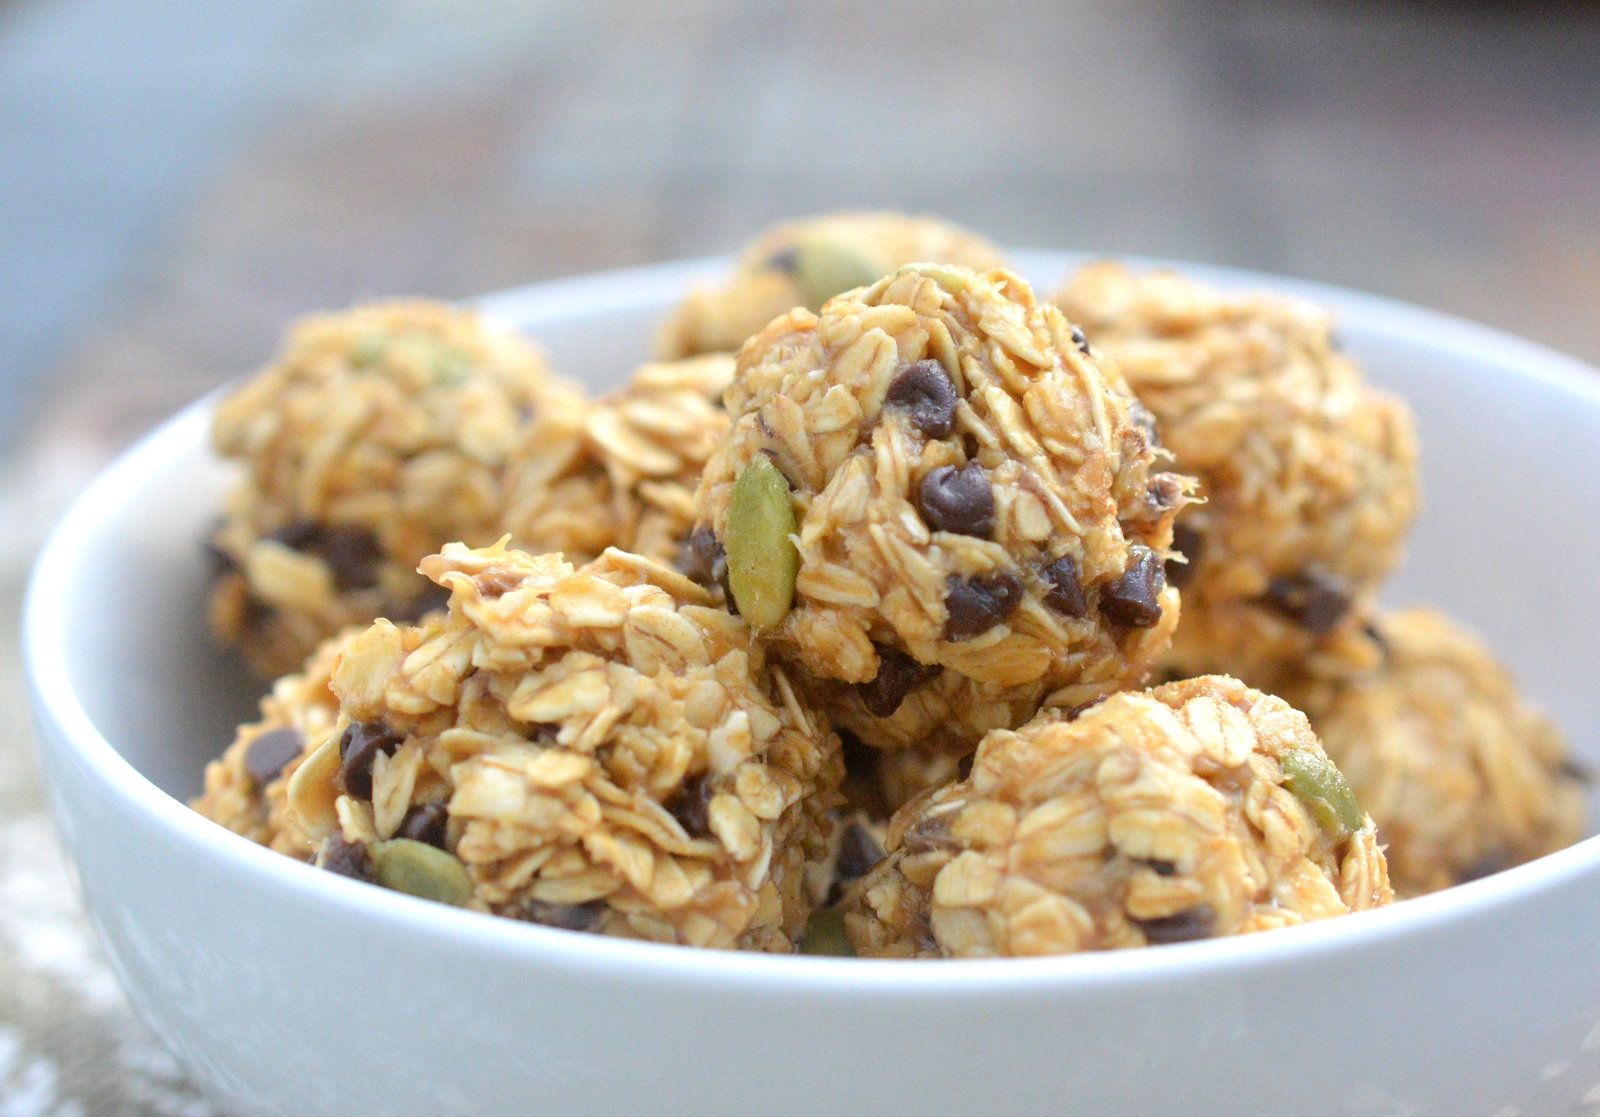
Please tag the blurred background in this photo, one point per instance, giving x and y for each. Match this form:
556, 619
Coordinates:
178, 178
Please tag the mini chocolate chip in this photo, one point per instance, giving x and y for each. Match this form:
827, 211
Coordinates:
964, 766
297, 535
1134, 599
975, 605
1160, 868
348, 859
898, 675
928, 834
1495, 861
352, 554
704, 560
784, 260
568, 917
924, 391
698, 560
1314, 599
358, 748
859, 759
691, 806
268, 753
1066, 594
957, 500
1189, 543
425, 824
859, 851
1188, 925
1080, 341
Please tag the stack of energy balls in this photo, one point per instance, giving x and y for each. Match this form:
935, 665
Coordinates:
828, 631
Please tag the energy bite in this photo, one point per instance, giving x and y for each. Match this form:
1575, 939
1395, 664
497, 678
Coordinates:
941, 506
1462, 775
620, 472
1197, 809
598, 749
807, 262
1309, 476
379, 434
246, 789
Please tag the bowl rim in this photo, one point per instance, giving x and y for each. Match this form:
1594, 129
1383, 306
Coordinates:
46, 658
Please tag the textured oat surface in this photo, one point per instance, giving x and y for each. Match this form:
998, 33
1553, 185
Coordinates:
600, 748
980, 514
1153, 817
377, 436
619, 472
793, 263
1462, 775
1309, 476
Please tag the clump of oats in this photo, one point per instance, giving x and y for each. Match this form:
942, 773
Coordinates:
1309, 476
1463, 776
621, 471
599, 748
806, 262
981, 517
246, 788
378, 435
1197, 809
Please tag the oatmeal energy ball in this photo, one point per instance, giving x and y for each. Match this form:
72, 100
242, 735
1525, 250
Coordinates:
1198, 809
620, 472
805, 263
1309, 475
1463, 777
246, 788
937, 502
378, 435
598, 749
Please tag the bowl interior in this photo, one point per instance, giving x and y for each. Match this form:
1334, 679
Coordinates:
1503, 541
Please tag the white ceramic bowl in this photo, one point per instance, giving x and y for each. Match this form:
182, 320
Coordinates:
296, 993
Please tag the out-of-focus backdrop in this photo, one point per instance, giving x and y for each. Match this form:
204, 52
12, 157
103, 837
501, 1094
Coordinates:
179, 177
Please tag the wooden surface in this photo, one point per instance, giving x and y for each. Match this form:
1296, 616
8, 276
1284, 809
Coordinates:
177, 179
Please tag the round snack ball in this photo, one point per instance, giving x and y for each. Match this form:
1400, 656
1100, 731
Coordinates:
979, 517
1462, 775
378, 435
1194, 810
620, 472
246, 788
1309, 475
599, 749
805, 263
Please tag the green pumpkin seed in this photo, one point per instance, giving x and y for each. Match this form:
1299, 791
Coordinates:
762, 560
368, 349
419, 869
1321, 787
823, 268
825, 935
